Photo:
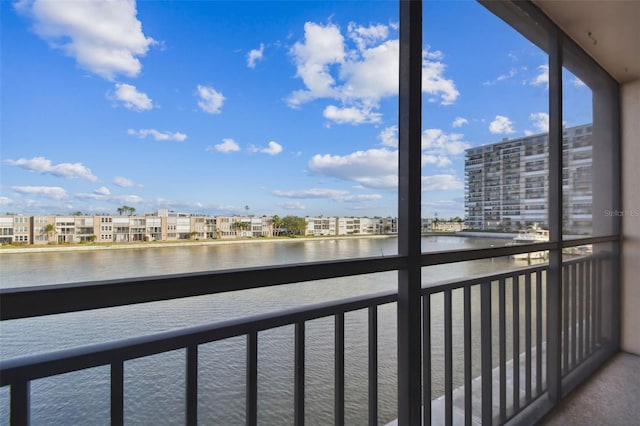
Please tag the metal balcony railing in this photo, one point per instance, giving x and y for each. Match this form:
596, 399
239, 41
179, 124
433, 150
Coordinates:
503, 351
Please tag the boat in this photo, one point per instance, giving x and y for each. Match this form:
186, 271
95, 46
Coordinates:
532, 234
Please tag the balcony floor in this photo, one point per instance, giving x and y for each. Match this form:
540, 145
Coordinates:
610, 397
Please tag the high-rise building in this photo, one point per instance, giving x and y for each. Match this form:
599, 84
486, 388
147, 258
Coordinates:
506, 183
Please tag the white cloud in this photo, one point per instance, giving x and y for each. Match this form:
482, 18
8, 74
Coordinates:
357, 198
4, 201
255, 55
322, 46
389, 137
441, 183
104, 37
103, 193
540, 121
438, 160
157, 135
323, 193
434, 82
131, 98
512, 73
501, 124
295, 205
129, 199
103, 190
374, 168
459, 122
358, 77
312, 193
542, 79
367, 36
437, 142
372, 75
227, 145
210, 100
123, 182
65, 170
54, 192
351, 115
274, 148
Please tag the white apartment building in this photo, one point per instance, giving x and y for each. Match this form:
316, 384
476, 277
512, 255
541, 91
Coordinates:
506, 183
321, 226
171, 226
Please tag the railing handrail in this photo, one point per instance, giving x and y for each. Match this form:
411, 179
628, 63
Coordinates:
64, 361
26, 302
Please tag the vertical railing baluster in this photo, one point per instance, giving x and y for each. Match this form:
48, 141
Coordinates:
527, 336
468, 407
516, 343
598, 299
502, 349
117, 393
581, 317
298, 404
539, 300
448, 360
426, 359
339, 369
252, 379
574, 317
565, 320
192, 385
20, 403
587, 307
373, 365
485, 334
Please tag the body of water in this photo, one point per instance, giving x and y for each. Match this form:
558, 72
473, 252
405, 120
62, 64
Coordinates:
154, 386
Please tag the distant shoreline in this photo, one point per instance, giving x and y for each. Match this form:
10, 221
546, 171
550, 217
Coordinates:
161, 244
46, 248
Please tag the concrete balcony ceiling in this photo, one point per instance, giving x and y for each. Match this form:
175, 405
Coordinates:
607, 30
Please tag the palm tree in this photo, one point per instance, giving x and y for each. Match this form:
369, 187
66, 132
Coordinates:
239, 227
126, 209
276, 222
50, 231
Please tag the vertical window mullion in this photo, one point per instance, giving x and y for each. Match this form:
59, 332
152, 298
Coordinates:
554, 276
409, 198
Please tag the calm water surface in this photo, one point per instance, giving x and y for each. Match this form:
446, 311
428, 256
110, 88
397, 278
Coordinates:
154, 386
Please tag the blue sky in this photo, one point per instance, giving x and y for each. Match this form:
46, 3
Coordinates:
283, 107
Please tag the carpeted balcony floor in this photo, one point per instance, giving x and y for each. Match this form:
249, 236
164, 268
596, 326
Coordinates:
610, 397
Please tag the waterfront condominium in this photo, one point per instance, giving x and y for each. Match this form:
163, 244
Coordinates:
171, 226
506, 183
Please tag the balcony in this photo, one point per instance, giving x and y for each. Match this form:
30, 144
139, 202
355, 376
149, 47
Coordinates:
560, 320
